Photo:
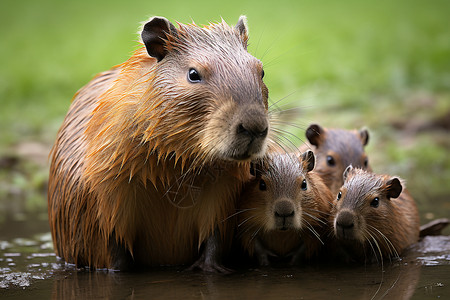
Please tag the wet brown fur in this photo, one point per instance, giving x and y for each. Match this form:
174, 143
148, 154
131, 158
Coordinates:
283, 175
140, 163
394, 224
346, 147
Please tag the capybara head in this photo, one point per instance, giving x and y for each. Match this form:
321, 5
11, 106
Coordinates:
336, 149
213, 101
369, 212
279, 196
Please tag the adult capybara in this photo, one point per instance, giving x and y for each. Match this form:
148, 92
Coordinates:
152, 153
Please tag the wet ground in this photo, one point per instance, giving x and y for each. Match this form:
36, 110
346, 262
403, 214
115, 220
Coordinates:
30, 270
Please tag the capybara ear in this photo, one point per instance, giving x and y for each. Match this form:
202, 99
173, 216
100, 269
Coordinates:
346, 172
242, 28
313, 134
394, 187
241, 25
154, 34
364, 133
309, 160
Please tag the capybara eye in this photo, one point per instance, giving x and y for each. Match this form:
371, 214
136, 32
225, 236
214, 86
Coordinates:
194, 76
304, 185
375, 202
366, 162
330, 160
262, 185
339, 196
262, 74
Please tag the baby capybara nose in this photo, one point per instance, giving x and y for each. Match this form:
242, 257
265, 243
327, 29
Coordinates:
345, 220
284, 209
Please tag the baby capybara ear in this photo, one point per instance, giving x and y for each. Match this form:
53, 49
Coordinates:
313, 134
154, 34
394, 188
346, 172
308, 160
364, 133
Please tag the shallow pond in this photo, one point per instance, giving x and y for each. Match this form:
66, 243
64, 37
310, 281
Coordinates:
30, 270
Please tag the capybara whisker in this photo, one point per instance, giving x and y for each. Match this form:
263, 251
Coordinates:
389, 244
238, 212
245, 221
314, 217
286, 135
314, 232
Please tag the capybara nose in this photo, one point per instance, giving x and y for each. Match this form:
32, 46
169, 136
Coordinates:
253, 123
284, 214
284, 209
254, 131
345, 225
345, 220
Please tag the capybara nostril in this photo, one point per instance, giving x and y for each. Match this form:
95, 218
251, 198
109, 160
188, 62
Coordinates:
345, 225
252, 130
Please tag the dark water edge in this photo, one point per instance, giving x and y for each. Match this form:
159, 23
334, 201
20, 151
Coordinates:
30, 270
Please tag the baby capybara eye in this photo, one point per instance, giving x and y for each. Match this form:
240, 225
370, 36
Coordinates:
262, 185
330, 160
304, 185
375, 202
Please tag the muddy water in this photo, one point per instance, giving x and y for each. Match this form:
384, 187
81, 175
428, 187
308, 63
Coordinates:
30, 270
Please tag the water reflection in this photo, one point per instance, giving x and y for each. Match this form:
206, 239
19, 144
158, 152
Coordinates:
397, 282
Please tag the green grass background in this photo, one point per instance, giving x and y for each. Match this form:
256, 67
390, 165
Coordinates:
380, 64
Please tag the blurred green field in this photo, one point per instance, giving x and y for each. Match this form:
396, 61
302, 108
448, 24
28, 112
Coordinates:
380, 64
